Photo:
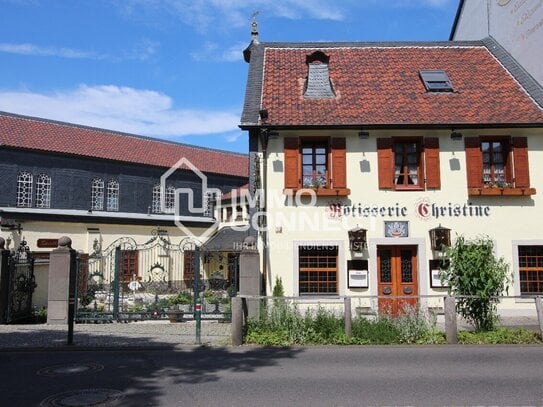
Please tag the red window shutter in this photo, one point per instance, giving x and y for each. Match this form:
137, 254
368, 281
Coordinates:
474, 162
339, 163
431, 158
520, 158
385, 163
292, 159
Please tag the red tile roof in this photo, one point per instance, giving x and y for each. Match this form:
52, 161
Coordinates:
239, 192
381, 86
65, 138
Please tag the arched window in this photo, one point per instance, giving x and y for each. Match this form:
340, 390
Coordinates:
112, 203
43, 191
97, 194
24, 189
169, 200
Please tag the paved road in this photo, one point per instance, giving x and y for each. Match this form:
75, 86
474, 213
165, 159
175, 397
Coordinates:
253, 376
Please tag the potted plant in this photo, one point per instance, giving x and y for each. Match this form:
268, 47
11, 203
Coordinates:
178, 304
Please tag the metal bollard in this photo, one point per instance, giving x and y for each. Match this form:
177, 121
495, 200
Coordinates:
198, 317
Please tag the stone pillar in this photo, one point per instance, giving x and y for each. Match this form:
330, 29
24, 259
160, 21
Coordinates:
250, 279
4, 280
451, 330
60, 261
237, 322
348, 317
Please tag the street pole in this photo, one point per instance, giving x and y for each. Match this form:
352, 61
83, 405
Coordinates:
197, 300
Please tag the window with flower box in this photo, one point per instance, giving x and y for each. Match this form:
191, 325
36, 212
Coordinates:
498, 166
317, 163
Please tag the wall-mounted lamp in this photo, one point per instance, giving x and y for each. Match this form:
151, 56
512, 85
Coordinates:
263, 113
9, 225
363, 135
357, 239
456, 136
440, 237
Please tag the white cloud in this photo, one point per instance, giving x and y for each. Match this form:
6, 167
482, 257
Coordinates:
210, 51
202, 14
142, 51
137, 111
232, 138
32, 49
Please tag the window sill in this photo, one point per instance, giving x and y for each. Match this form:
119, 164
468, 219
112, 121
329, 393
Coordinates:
501, 191
402, 188
318, 191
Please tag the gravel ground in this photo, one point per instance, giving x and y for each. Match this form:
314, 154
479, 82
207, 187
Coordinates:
134, 334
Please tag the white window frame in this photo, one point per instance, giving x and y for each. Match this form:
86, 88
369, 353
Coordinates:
24, 189
97, 194
43, 191
112, 201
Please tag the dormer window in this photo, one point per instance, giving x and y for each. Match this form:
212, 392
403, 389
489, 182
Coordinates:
436, 81
318, 83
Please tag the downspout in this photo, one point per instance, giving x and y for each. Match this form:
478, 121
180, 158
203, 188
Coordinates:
264, 224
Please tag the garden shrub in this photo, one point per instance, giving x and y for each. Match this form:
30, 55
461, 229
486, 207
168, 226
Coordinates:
474, 271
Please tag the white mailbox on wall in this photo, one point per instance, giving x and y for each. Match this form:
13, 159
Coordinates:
357, 273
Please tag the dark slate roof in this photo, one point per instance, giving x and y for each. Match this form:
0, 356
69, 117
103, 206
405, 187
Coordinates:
38, 134
378, 84
318, 82
227, 239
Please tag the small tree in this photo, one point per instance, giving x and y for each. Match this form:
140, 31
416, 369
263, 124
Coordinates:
473, 270
278, 290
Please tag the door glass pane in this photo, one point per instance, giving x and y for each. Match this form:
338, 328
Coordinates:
407, 267
385, 266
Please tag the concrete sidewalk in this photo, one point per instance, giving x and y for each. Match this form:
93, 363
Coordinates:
156, 334
139, 334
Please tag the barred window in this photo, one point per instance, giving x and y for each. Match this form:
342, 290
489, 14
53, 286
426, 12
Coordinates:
97, 194
155, 205
208, 204
112, 195
318, 270
43, 191
24, 189
169, 199
530, 259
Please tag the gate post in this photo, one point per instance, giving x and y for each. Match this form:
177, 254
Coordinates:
116, 286
250, 278
237, 321
61, 262
4, 280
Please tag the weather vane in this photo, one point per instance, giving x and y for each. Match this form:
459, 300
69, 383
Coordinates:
253, 16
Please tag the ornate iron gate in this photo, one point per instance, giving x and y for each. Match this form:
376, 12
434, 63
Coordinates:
21, 285
129, 281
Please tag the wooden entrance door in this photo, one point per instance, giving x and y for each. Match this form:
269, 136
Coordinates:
398, 280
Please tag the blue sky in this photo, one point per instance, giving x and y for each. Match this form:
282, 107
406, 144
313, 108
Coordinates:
173, 69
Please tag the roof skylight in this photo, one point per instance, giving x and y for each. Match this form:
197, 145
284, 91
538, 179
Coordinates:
436, 81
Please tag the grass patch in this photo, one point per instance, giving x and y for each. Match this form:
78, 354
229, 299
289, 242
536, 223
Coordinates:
497, 336
283, 324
